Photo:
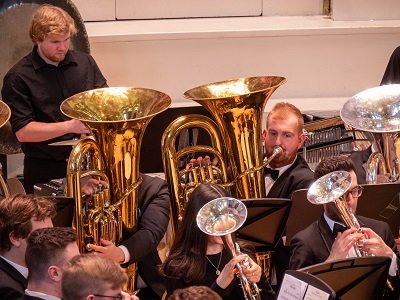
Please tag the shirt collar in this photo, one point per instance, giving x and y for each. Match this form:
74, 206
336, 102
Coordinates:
23, 270
41, 295
38, 62
284, 168
330, 222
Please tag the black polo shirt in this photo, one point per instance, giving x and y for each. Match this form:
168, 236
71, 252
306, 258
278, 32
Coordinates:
34, 91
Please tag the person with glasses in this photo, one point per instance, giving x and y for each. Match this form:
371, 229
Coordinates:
319, 243
92, 277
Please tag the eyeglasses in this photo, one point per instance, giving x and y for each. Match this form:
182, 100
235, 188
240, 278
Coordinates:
118, 297
355, 192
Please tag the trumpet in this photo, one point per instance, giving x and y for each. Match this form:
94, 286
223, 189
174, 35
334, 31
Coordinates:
221, 217
331, 188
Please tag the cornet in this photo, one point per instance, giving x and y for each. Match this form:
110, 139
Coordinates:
221, 217
332, 187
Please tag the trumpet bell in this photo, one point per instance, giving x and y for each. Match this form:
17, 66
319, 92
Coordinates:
329, 187
374, 110
221, 216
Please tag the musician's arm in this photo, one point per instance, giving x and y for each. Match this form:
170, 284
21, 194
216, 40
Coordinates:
154, 220
40, 131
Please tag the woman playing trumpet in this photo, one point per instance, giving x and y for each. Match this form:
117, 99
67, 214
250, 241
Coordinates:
199, 259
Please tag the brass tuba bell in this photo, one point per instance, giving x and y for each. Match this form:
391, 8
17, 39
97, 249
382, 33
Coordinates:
377, 110
117, 118
237, 107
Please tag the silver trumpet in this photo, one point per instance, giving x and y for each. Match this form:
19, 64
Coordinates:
331, 188
221, 217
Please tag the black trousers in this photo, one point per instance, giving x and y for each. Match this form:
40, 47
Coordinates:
38, 170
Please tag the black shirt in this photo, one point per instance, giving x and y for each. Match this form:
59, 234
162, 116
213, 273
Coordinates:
34, 91
232, 292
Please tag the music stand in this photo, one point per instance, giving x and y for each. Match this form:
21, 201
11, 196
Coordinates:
296, 285
302, 214
65, 207
354, 278
381, 202
265, 223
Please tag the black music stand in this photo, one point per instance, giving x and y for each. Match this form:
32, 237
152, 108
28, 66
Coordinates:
354, 278
302, 214
294, 282
381, 202
265, 223
65, 207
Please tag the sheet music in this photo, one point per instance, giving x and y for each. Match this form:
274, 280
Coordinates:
292, 288
315, 294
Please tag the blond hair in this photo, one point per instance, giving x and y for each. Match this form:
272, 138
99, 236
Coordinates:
49, 19
87, 274
281, 111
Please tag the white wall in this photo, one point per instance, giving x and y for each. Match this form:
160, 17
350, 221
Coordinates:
321, 58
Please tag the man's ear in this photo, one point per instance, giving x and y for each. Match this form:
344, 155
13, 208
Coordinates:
54, 273
264, 133
302, 139
15, 241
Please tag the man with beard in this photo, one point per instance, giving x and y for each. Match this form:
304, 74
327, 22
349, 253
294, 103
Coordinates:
35, 87
288, 171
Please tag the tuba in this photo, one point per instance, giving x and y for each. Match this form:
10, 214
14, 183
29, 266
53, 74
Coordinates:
221, 217
377, 110
237, 107
117, 118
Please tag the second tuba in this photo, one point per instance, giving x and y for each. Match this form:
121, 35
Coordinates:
377, 110
117, 118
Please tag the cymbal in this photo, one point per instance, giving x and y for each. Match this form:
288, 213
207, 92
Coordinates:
72, 142
4, 113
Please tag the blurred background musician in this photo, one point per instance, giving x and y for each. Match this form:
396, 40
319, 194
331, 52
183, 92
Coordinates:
198, 259
317, 243
35, 87
19, 216
47, 251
